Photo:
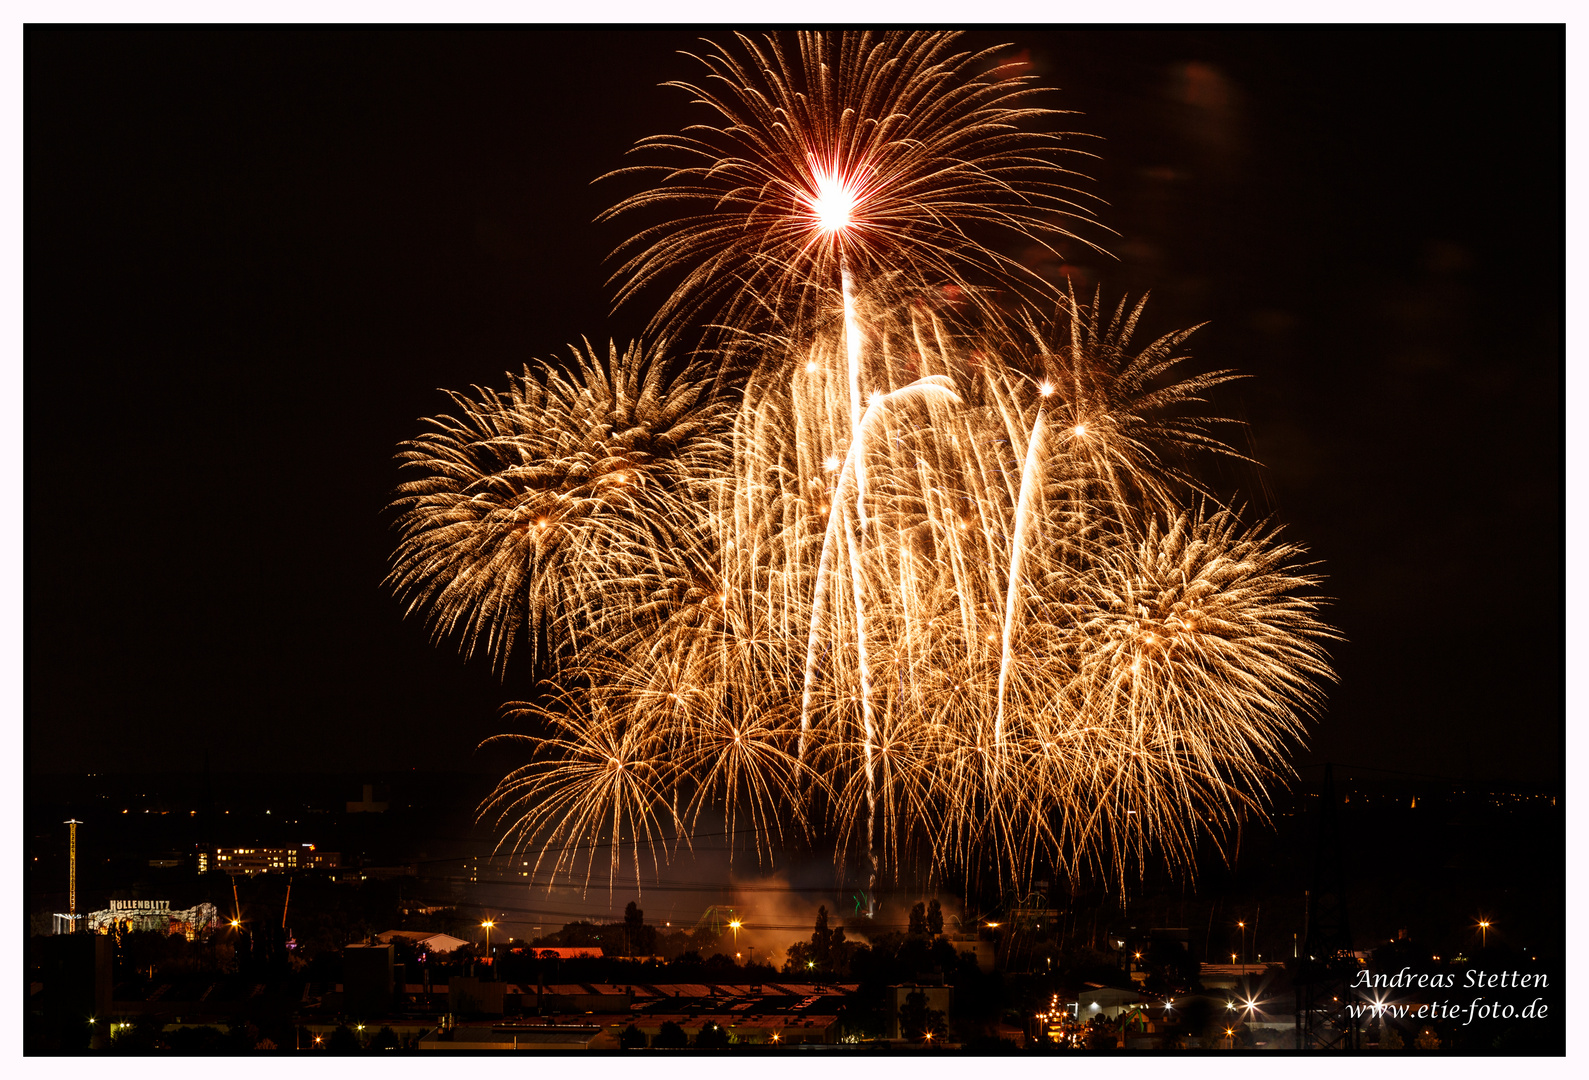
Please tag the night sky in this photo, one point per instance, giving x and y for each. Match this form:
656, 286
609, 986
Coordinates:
252, 258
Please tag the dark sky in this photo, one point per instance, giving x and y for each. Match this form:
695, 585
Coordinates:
253, 257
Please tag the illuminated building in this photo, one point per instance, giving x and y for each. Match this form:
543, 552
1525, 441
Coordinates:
264, 860
152, 915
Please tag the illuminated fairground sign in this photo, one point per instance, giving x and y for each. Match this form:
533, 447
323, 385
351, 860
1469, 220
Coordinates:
153, 915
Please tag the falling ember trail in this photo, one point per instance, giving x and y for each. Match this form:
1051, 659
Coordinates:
857, 546
1012, 598
852, 352
855, 465
820, 592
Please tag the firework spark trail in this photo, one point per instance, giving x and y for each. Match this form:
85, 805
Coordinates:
1030, 473
824, 565
1057, 650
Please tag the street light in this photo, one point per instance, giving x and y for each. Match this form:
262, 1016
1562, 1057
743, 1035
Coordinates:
734, 926
1484, 933
1243, 928
488, 924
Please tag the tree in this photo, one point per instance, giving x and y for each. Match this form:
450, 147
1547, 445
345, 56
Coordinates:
934, 917
208, 1041
712, 1037
916, 1019
1099, 1037
799, 959
1389, 1037
632, 1038
144, 1037
1171, 969
827, 952
839, 953
634, 921
343, 1041
918, 919
385, 1039
671, 1037
821, 939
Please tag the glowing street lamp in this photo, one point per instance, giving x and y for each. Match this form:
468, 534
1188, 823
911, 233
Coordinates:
1243, 927
488, 924
734, 926
1484, 933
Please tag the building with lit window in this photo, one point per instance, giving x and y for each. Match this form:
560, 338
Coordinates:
265, 860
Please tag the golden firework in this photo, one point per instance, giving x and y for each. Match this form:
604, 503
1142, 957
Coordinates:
939, 588
569, 484
887, 152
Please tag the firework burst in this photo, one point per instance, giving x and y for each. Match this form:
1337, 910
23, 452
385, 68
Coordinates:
880, 152
569, 483
939, 589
